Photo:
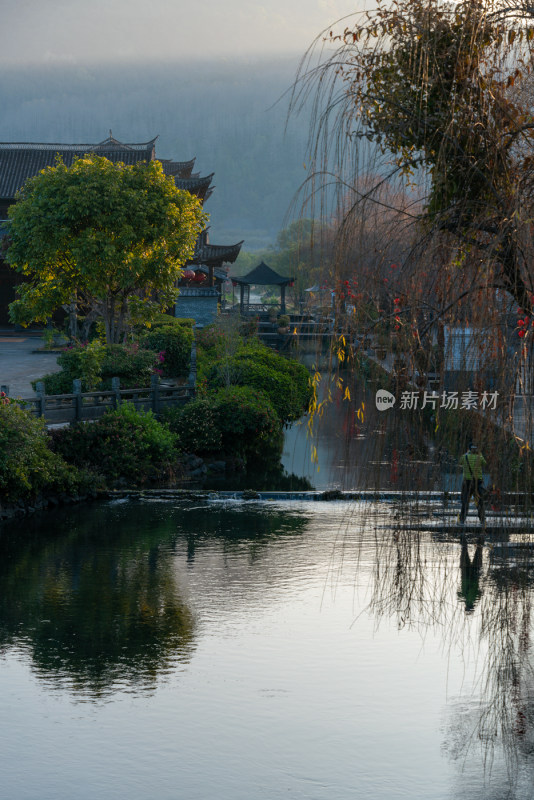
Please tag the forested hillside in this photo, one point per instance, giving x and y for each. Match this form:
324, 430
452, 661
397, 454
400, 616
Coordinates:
226, 114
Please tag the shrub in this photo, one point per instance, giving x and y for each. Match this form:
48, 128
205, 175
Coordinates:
237, 421
248, 423
166, 319
85, 362
133, 365
172, 343
249, 327
122, 444
27, 465
286, 383
73, 362
96, 364
212, 339
195, 425
56, 383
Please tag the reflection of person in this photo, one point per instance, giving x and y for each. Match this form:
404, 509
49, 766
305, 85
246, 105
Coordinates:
472, 463
470, 572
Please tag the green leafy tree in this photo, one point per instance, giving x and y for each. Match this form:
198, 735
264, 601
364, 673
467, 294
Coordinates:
101, 239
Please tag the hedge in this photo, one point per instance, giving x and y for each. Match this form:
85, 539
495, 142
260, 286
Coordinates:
235, 421
133, 366
286, 383
122, 444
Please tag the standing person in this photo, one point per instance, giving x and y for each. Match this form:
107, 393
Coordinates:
472, 463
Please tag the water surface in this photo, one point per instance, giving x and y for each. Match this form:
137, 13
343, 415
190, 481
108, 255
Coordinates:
246, 650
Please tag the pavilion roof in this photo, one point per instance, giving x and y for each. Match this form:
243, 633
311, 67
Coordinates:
21, 160
262, 275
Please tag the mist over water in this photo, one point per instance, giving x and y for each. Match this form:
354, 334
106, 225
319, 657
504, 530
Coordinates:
229, 114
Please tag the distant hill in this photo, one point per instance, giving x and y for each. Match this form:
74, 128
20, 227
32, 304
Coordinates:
223, 113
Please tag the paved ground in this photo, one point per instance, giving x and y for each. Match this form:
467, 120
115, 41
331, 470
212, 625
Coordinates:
19, 364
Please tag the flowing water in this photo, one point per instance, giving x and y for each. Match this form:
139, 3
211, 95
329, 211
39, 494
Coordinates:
243, 650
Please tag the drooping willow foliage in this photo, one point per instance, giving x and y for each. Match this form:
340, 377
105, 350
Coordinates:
420, 166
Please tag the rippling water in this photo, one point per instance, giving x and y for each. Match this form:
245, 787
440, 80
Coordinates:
238, 650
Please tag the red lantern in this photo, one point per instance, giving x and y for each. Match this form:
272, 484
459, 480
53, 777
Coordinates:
188, 275
199, 277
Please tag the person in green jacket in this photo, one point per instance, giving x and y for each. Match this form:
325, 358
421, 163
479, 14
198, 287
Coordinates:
472, 463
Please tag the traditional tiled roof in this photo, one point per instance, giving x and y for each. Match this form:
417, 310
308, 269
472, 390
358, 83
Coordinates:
213, 255
217, 254
21, 160
262, 275
197, 186
179, 169
220, 274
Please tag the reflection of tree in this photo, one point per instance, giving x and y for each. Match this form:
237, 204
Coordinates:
415, 582
235, 523
95, 614
97, 605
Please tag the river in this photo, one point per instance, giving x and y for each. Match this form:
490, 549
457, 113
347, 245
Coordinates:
244, 650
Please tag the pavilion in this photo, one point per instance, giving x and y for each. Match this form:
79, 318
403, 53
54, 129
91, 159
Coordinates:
262, 275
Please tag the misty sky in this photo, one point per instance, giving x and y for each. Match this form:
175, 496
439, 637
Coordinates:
52, 31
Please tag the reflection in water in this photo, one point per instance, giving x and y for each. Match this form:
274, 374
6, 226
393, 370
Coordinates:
121, 597
489, 621
470, 567
381, 450
94, 614
98, 612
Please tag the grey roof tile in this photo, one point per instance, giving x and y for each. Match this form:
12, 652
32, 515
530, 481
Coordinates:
22, 160
262, 275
